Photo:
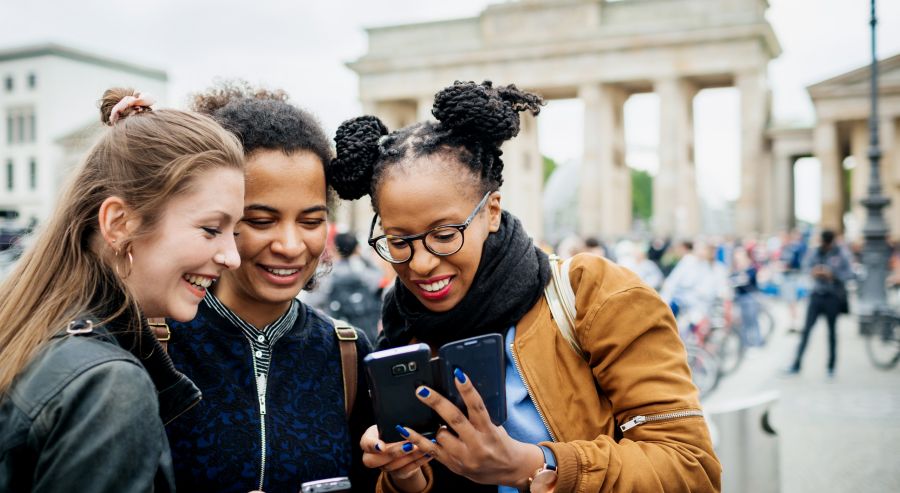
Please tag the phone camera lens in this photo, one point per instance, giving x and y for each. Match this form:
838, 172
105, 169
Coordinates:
411, 366
398, 369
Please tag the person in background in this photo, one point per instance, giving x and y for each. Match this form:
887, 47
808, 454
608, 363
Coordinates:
143, 229
274, 413
829, 266
635, 259
746, 292
354, 294
465, 267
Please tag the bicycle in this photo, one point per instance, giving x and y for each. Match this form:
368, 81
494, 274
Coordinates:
883, 340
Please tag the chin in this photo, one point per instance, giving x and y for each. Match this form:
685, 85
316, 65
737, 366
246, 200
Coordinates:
183, 314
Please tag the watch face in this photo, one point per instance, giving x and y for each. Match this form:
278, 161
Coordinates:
544, 482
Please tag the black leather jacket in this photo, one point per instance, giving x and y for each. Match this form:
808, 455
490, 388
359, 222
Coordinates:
87, 414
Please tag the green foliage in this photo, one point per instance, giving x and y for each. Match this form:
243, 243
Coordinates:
641, 194
549, 166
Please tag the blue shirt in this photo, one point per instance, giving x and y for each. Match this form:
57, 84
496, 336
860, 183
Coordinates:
523, 423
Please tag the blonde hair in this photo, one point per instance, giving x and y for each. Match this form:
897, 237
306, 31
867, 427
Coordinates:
146, 158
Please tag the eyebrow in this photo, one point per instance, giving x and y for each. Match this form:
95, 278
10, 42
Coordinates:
272, 210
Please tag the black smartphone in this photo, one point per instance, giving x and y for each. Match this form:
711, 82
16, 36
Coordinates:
394, 374
332, 485
483, 360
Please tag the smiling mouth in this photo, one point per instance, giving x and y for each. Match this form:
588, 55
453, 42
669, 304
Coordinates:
435, 286
199, 282
280, 272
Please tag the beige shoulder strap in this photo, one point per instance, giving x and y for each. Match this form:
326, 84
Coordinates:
561, 299
347, 337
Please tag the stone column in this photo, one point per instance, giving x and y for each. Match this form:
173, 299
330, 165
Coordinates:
523, 177
676, 207
890, 167
754, 117
859, 181
827, 151
783, 191
604, 192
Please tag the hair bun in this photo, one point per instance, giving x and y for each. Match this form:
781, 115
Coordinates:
356, 143
110, 99
482, 111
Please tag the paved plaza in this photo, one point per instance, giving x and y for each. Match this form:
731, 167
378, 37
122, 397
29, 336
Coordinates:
840, 435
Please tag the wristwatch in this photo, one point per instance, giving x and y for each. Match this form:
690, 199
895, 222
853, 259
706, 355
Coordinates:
544, 479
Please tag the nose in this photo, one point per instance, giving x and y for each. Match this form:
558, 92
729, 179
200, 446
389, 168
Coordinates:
228, 257
289, 242
423, 262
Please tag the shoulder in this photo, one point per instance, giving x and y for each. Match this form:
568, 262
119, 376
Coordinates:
76, 364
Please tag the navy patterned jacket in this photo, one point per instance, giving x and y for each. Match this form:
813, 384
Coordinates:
217, 445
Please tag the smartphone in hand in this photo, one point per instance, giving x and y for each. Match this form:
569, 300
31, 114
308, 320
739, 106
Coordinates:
483, 361
394, 374
330, 485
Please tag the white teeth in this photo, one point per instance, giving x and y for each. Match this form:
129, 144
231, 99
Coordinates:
435, 286
283, 272
199, 281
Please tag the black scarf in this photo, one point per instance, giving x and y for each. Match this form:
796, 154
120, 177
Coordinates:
510, 279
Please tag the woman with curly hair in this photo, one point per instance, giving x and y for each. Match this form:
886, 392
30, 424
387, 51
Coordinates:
275, 412
621, 416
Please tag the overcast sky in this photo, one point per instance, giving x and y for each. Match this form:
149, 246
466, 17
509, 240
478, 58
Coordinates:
302, 46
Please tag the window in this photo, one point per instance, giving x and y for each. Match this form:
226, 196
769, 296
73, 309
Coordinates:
21, 126
32, 174
8, 83
10, 175
32, 80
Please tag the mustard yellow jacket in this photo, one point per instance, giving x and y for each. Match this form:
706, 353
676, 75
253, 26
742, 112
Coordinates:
636, 367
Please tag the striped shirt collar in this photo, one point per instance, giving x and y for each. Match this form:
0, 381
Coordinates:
273, 331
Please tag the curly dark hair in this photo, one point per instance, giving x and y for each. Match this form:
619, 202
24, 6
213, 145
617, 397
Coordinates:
263, 119
473, 122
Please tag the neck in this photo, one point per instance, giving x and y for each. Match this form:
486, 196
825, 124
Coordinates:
257, 313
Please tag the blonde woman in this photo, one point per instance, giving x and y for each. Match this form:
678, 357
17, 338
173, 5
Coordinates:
144, 228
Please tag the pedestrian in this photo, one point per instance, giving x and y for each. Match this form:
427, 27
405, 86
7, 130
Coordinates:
144, 227
354, 293
746, 291
830, 269
274, 412
465, 268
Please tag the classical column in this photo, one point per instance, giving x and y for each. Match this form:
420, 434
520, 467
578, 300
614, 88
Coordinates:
676, 207
890, 167
604, 192
859, 178
523, 177
754, 115
825, 145
782, 191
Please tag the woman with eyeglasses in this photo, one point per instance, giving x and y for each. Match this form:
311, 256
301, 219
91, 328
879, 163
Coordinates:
625, 418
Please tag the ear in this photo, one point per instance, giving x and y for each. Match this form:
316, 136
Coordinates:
116, 221
494, 210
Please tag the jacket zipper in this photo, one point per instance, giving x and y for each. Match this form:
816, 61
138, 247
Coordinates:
650, 418
512, 348
261, 394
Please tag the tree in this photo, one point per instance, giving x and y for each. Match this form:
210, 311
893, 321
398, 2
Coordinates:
549, 166
641, 194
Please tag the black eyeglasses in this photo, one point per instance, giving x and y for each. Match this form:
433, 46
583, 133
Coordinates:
442, 240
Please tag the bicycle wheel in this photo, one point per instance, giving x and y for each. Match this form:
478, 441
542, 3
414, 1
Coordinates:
766, 324
704, 368
883, 346
727, 345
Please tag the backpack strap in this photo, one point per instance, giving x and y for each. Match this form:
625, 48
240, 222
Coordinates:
161, 330
561, 299
347, 337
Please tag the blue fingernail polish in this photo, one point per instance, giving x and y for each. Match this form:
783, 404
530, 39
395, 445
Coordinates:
424, 392
459, 375
407, 447
401, 430
434, 440
377, 447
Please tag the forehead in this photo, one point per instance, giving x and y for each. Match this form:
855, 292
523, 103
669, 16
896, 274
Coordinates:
274, 175
422, 193
216, 189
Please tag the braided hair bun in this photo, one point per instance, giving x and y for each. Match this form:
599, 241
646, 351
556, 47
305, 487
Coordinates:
483, 112
356, 142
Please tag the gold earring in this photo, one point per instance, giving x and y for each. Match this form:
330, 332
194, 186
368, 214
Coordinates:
130, 265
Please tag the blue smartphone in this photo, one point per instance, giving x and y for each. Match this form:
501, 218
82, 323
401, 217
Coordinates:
483, 360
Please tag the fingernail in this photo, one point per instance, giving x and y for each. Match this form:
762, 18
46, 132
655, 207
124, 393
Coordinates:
424, 392
377, 447
401, 430
459, 375
407, 447
434, 440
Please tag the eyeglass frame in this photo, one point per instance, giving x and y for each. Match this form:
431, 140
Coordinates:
409, 239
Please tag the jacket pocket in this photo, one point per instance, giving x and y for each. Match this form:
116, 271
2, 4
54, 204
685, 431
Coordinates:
657, 417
